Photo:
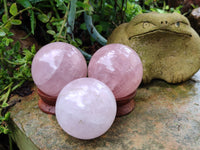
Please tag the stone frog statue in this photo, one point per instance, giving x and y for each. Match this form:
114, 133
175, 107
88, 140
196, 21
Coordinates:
167, 45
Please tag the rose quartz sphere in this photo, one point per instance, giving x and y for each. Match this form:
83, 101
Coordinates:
119, 67
85, 108
55, 65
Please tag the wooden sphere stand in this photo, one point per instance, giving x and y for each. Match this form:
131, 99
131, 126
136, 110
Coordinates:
46, 103
125, 105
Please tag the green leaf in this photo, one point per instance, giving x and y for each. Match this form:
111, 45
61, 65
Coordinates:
43, 18
167, 7
79, 42
16, 46
8, 25
19, 84
5, 131
83, 26
2, 33
99, 28
33, 50
4, 105
24, 3
32, 19
13, 9
7, 41
7, 115
35, 1
52, 32
28, 55
16, 22
4, 18
74, 43
48, 26
59, 3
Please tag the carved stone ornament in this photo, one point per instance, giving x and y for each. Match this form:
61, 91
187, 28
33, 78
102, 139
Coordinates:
167, 45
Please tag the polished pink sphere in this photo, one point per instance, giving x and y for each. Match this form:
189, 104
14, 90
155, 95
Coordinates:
119, 67
85, 108
55, 65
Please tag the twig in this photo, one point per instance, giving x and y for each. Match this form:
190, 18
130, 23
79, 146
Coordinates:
5, 8
63, 24
92, 30
86, 55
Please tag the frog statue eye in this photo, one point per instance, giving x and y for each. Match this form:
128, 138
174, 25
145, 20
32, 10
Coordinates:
146, 24
177, 24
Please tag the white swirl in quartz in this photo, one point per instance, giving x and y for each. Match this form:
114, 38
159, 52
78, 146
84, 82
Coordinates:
72, 52
75, 95
106, 60
126, 51
50, 59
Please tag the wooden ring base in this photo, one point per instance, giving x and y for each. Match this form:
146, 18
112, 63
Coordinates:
46, 103
125, 105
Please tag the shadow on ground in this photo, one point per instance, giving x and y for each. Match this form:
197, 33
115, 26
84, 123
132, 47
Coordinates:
4, 143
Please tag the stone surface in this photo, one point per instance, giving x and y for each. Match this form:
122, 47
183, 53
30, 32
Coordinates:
166, 116
86, 108
167, 45
55, 65
119, 67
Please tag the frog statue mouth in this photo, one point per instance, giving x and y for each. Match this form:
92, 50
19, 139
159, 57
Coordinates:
155, 23
166, 31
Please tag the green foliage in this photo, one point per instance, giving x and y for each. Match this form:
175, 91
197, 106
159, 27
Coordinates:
27, 4
132, 9
3, 121
14, 62
109, 14
160, 6
15, 69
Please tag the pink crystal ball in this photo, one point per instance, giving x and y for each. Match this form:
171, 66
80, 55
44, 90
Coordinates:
85, 108
55, 65
119, 67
